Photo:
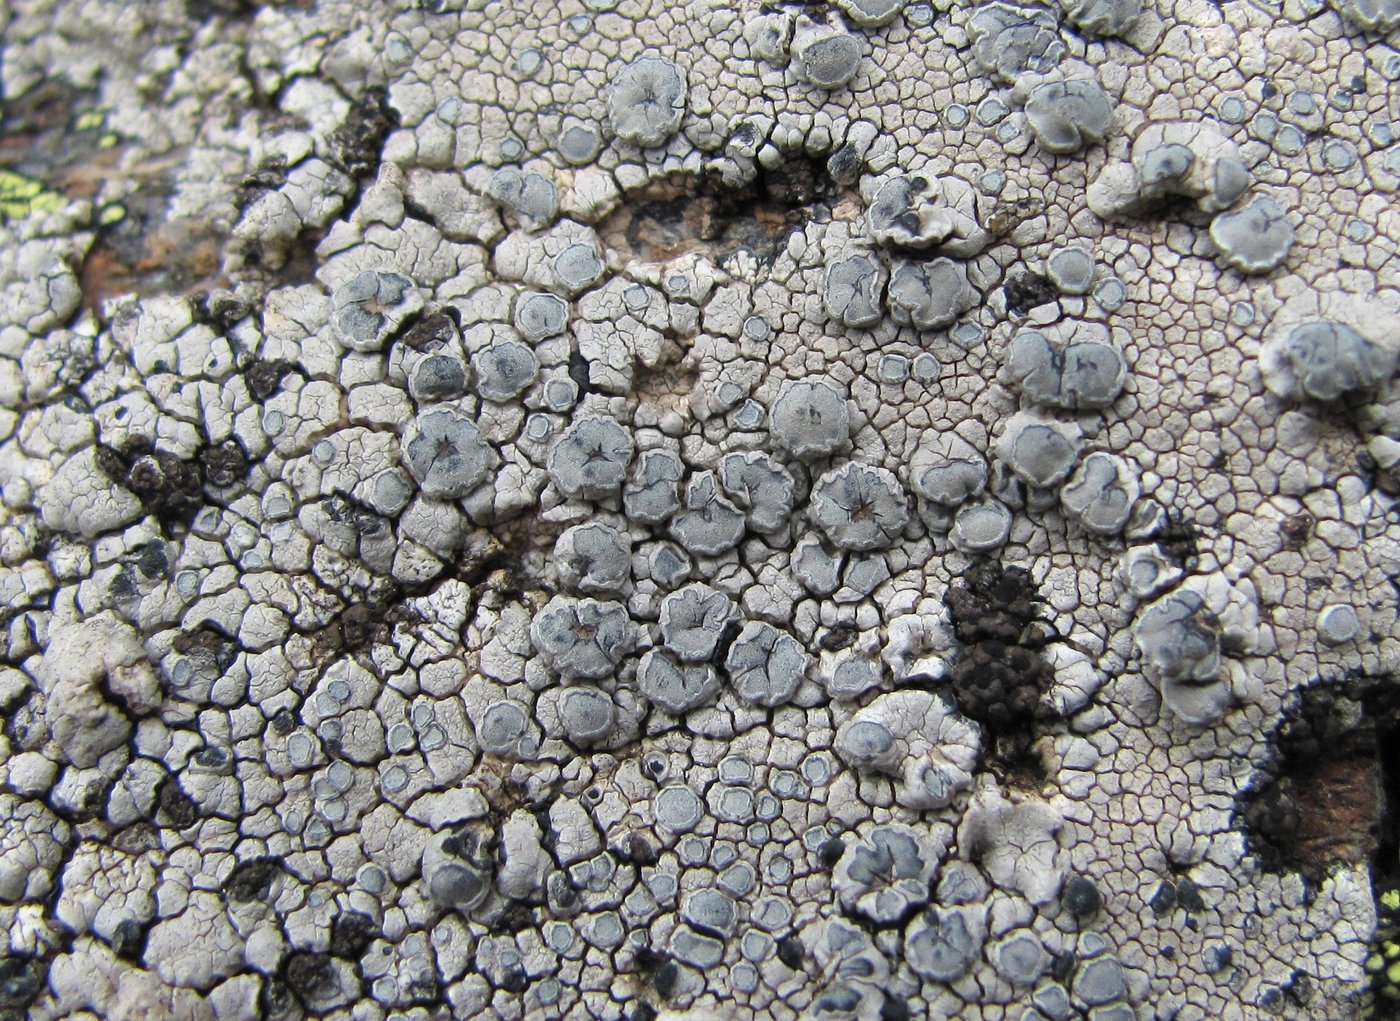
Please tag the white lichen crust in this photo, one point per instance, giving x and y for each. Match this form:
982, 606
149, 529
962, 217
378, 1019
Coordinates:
723, 510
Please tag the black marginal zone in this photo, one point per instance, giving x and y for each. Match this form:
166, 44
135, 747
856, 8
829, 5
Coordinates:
1329, 792
999, 678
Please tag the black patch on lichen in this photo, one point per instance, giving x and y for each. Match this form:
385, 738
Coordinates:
791, 953
175, 805
830, 852
276, 1000
129, 940
1328, 793
894, 1008
269, 175
21, 981
1163, 898
431, 330
636, 849
168, 487
665, 979
152, 560
1286, 999
252, 880
1026, 290
208, 647
224, 464
351, 935
1081, 898
311, 977
1387, 480
354, 629
580, 373
838, 637
999, 677
264, 378
203, 10
356, 144
1188, 895
1178, 541
658, 969
355, 148
219, 309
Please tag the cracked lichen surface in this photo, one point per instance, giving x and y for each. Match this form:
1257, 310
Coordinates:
716, 510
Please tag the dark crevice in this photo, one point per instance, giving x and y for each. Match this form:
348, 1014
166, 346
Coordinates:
355, 149
657, 970
673, 218
1329, 792
204, 10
